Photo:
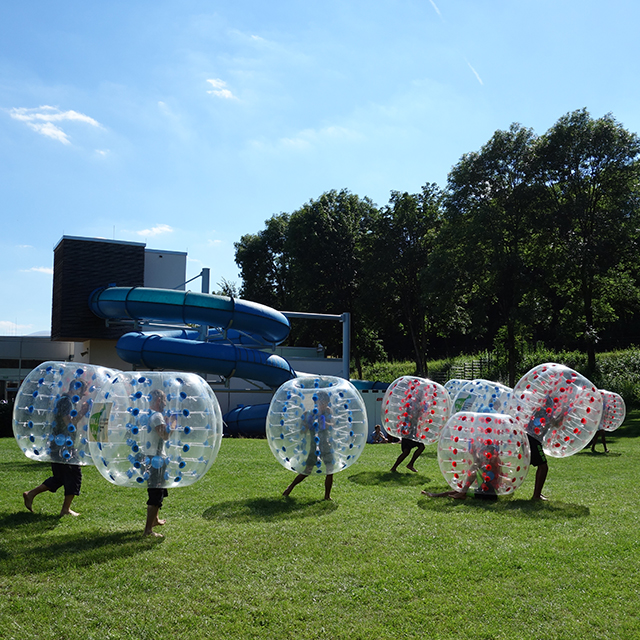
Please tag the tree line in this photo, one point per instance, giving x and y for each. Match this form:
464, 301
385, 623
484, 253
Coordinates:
534, 240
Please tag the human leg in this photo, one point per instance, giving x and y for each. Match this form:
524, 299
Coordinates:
296, 481
154, 504
538, 460
28, 496
541, 476
406, 445
328, 484
72, 481
50, 484
417, 453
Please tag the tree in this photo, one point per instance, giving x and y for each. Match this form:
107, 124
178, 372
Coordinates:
590, 169
264, 264
490, 203
399, 249
324, 249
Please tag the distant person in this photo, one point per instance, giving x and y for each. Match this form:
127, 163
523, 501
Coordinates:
378, 436
64, 475
319, 424
159, 433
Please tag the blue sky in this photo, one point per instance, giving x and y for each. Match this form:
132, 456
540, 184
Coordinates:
187, 124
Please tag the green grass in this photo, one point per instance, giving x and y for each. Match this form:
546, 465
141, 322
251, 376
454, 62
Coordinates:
380, 561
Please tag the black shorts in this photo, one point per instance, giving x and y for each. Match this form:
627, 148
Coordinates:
407, 444
537, 452
156, 496
68, 476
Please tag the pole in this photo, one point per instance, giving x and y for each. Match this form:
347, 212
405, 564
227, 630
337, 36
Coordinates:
346, 344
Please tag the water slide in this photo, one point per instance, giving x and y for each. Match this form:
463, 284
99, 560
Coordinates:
230, 349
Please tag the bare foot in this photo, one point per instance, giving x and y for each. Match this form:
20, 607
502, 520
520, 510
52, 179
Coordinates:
69, 513
28, 500
159, 523
412, 469
540, 497
153, 534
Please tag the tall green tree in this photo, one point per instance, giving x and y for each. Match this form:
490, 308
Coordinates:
490, 205
264, 263
398, 253
324, 246
591, 170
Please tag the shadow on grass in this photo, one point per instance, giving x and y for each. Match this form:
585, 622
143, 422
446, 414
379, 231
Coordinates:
33, 465
550, 510
371, 478
269, 509
24, 550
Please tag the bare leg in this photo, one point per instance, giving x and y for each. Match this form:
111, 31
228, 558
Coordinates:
541, 476
66, 506
328, 483
401, 457
152, 521
28, 496
416, 455
297, 480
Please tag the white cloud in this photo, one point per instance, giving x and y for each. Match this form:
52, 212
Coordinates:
102, 152
219, 89
12, 328
214, 243
155, 231
310, 137
42, 120
25, 246
47, 270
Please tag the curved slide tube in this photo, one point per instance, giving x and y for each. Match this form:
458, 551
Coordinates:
182, 349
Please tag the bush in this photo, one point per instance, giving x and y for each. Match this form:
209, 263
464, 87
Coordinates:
617, 371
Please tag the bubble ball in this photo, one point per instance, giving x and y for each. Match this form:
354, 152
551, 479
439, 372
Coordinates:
454, 385
487, 453
415, 408
317, 425
52, 409
156, 429
557, 406
613, 411
482, 396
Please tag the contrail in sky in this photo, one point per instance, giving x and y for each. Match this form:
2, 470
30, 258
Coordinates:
435, 6
475, 73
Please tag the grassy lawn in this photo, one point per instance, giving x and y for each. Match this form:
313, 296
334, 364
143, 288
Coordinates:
380, 561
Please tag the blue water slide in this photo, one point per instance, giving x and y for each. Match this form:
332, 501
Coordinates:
254, 325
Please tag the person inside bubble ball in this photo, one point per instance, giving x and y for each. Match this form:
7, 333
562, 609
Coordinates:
545, 418
160, 432
64, 475
318, 422
485, 469
407, 443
